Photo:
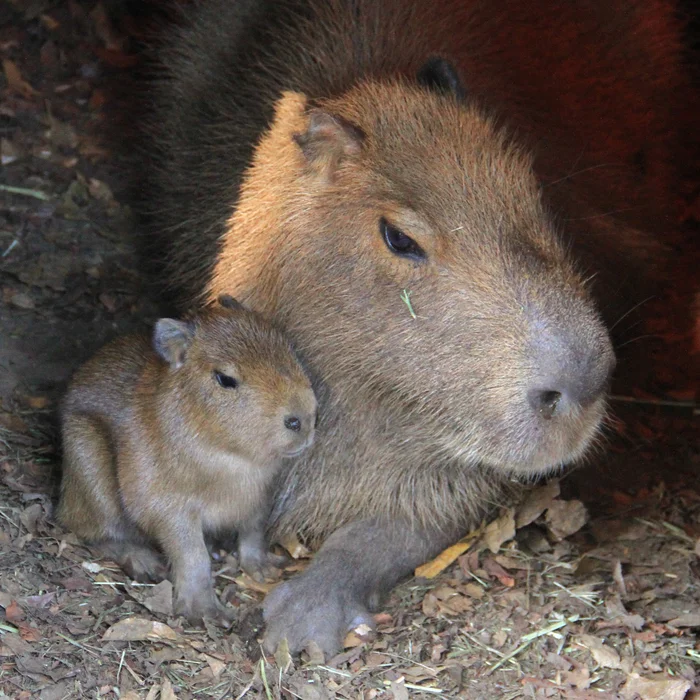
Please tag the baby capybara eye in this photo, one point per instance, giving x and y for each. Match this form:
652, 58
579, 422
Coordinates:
398, 242
225, 381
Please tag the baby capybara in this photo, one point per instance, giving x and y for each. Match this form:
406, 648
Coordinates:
336, 164
172, 437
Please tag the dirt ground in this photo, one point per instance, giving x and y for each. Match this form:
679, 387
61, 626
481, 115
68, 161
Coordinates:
588, 589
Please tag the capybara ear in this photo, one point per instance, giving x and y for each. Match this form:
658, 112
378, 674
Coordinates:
172, 340
439, 75
229, 302
328, 140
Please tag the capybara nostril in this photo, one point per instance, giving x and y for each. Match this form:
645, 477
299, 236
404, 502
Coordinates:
292, 423
544, 402
575, 373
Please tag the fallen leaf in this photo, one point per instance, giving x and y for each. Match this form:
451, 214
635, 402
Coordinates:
245, 581
138, 629
494, 569
315, 653
564, 518
22, 301
432, 568
656, 687
100, 191
691, 619
160, 598
61, 134
604, 655
500, 530
398, 688
130, 695
28, 633
166, 690
282, 655
92, 566
217, 667
536, 503
153, 692
15, 82
358, 636
13, 613
295, 548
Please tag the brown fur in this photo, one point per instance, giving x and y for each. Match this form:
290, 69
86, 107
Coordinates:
289, 129
157, 453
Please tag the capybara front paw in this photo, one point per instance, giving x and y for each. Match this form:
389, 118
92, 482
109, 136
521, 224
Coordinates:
197, 606
306, 610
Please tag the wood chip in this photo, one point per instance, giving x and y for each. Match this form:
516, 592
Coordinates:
138, 629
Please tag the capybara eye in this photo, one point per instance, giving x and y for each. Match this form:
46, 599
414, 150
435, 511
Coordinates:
226, 381
398, 242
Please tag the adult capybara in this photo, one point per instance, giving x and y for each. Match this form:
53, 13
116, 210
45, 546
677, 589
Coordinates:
333, 163
169, 438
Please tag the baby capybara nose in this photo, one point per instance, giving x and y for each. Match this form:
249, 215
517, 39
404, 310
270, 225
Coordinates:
573, 373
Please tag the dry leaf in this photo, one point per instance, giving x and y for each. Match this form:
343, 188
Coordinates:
656, 687
160, 598
564, 518
500, 530
536, 503
497, 571
217, 667
436, 566
282, 656
295, 548
691, 619
15, 81
604, 655
315, 653
22, 301
245, 581
153, 692
137, 629
398, 688
130, 695
166, 690
13, 613
357, 637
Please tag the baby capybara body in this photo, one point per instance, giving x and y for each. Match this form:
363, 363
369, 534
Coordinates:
167, 439
327, 161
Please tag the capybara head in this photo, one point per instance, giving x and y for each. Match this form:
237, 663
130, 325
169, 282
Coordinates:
237, 379
417, 268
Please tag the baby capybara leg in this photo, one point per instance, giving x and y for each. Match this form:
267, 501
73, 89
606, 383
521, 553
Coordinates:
89, 503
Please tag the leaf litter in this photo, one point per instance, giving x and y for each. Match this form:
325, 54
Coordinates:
545, 600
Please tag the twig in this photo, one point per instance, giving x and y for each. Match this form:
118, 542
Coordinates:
654, 402
406, 298
263, 675
37, 194
529, 639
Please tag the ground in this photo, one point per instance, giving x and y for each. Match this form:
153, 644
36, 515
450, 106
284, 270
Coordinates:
588, 589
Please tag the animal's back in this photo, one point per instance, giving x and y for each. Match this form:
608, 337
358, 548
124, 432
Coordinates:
599, 92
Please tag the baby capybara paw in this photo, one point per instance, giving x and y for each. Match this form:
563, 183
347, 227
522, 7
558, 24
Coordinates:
263, 566
139, 562
200, 605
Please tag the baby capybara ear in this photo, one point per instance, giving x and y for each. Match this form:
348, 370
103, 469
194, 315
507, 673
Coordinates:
172, 340
228, 302
439, 75
328, 140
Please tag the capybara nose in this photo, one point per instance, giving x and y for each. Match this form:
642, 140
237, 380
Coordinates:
292, 423
572, 375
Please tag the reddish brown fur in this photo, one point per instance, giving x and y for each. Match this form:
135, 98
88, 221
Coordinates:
158, 454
